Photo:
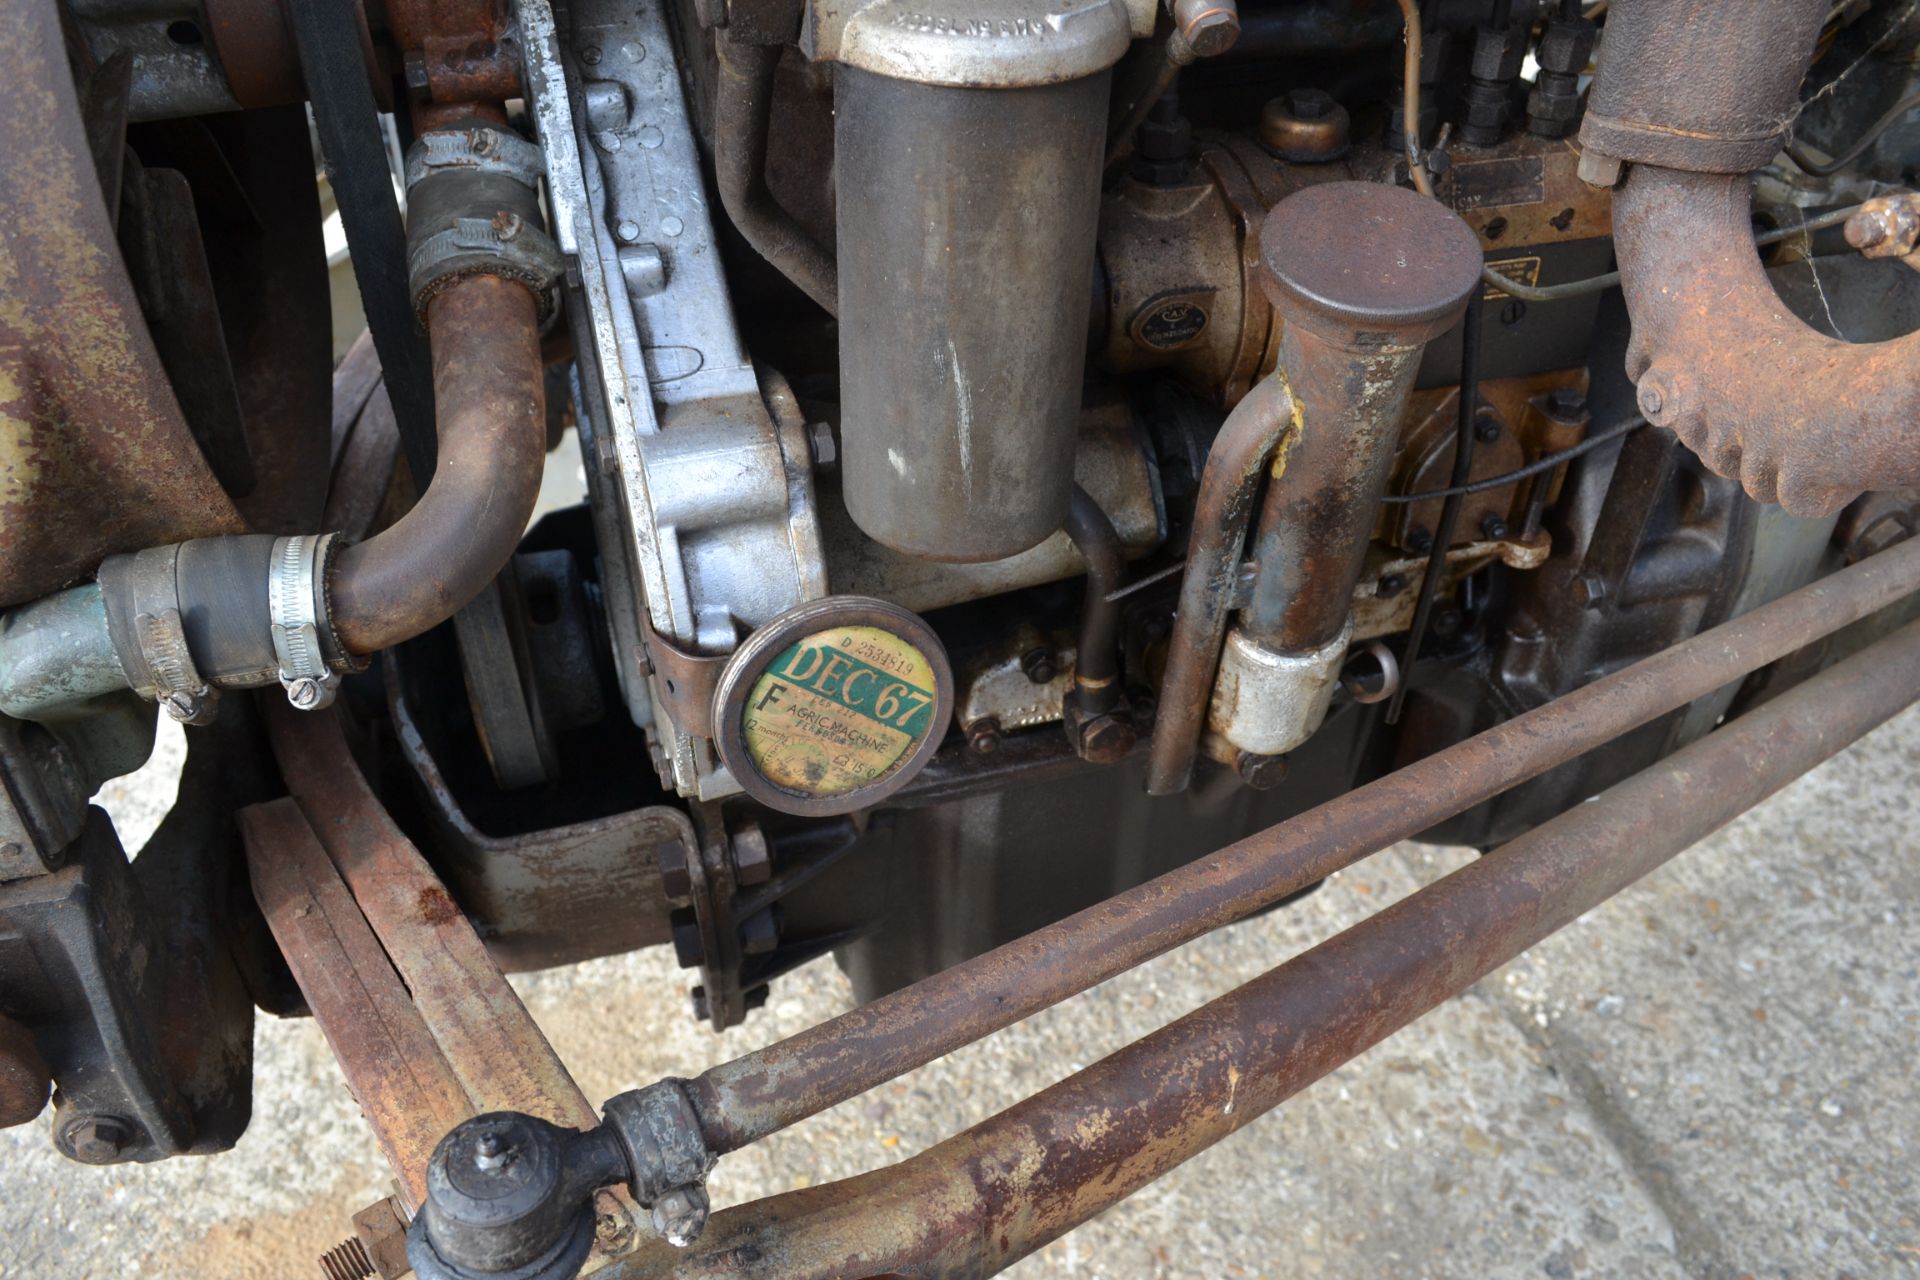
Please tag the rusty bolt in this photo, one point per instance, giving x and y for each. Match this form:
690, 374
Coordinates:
98, 1139
1039, 666
612, 1230
1211, 27
1886, 226
752, 864
1106, 738
759, 933
983, 736
1589, 590
1260, 772
1867, 229
689, 949
681, 1215
1493, 528
676, 881
1390, 585
1662, 396
1565, 404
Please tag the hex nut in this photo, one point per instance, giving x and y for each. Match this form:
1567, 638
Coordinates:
99, 1139
681, 1215
1260, 772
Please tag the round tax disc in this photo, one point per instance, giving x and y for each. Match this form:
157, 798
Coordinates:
833, 706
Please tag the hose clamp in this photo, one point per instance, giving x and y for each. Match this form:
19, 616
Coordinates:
142, 597
296, 580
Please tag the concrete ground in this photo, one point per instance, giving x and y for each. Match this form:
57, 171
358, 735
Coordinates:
1710, 1076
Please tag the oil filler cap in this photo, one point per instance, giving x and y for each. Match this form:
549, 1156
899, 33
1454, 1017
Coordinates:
833, 706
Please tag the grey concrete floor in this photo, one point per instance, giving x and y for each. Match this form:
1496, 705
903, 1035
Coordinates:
1710, 1076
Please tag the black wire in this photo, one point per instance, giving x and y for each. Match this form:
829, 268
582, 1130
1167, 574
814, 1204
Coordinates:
1464, 433
1827, 168
1546, 462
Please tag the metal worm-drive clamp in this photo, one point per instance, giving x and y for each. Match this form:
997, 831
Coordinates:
295, 580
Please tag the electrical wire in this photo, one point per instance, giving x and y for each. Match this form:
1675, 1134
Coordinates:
1797, 152
1545, 462
1595, 284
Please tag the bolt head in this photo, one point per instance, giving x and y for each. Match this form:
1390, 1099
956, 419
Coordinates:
1493, 528
98, 1139
1038, 665
676, 881
1213, 31
304, 693
1258, 771
826, 451
1866, 229
1419, 541
180, 706
1653, 399
1107, 738
1589, 591
491, 1153
983, 737
681, 1215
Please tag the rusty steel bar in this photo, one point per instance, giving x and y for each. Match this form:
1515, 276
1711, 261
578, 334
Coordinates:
492, 1045
985, 1198
760, 1093
394, 1067
491, 419
1221, 513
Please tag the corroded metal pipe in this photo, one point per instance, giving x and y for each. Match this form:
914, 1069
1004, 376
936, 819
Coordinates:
1693, 97
1364, 275
985, 1198
1096, 666
760, 1093
1224, 508
743, 115
1795, 416
491, 409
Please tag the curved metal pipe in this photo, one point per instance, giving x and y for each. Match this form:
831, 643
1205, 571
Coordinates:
1096, 667
1795, 416
743, 114
1221, 514
492, 435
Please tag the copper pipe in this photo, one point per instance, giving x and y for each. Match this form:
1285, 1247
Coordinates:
760, 1093
491, 411
1221, 514
991, 1195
